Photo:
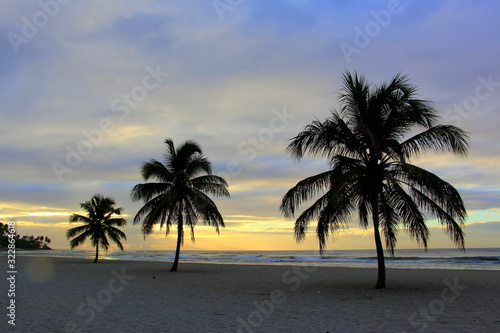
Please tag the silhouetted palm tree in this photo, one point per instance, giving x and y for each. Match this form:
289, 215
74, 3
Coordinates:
4, 229
99, 224
368, 144
180, 193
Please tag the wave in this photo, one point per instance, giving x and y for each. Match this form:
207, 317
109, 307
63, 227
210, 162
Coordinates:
488, 259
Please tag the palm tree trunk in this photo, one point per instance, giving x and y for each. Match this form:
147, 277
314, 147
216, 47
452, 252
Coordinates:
380, 250
179, 240
96, 252
380, 259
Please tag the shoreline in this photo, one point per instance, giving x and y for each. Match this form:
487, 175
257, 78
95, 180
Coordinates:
73, 295
168, 263
476, 259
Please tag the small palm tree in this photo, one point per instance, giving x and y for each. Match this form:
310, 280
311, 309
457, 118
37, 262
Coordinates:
180, 193
368, 144
99, 224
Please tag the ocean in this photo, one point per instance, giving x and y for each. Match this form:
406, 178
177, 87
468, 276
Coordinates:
471, 259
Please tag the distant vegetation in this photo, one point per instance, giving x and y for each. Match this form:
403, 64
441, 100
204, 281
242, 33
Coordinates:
25, 242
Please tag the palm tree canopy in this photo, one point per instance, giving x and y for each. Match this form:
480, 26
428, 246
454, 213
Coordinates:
183, 182
369, 142
98, 224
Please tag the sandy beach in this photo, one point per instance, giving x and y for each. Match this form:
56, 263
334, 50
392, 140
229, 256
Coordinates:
76, 295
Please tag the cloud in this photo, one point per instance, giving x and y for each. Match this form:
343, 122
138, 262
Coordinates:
227, 79
490, 226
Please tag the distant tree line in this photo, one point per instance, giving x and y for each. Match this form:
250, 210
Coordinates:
24, 242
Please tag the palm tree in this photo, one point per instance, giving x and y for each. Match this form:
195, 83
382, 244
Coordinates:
368, 144
4, 229
99, 224
180, 193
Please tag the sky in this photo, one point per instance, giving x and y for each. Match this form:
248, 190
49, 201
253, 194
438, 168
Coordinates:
89, 90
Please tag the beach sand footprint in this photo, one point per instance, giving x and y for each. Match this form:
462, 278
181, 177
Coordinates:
40, 269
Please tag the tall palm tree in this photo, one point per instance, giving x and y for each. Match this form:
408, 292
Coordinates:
99, 224
368, 143
180, 193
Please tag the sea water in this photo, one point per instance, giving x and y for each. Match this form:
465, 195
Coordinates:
471, 259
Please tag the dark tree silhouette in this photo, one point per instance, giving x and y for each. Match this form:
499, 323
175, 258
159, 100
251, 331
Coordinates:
99, 224
368, 143
4, 229
26, 242
180, 193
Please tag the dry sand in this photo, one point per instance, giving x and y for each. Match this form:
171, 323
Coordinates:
75, 295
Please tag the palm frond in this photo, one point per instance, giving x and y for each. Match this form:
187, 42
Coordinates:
118, 221
180, 158
211, 184
198, 164
172, 217
154, 169
79, 218
453, 223
435, 188
77, 230
410, 214
116, 235
80, 239
354, 100
205, 209
438, 138
155, 212
147, 191
103, 241
388, 219
308, 215
190, 218
333, 211
303, 191
333, 218
326, 139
